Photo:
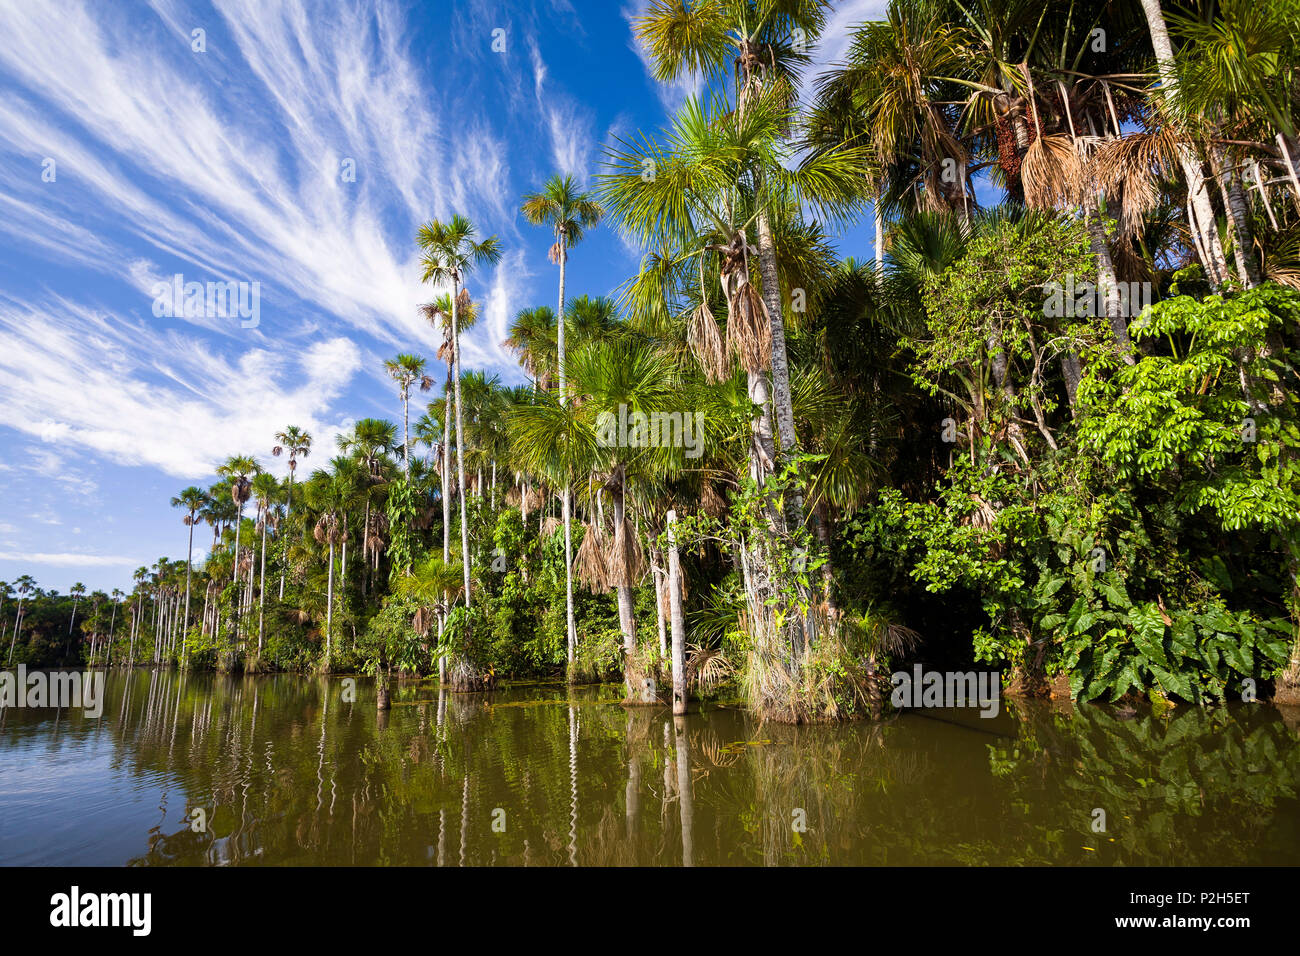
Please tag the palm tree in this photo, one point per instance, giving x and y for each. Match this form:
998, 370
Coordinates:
439, 313
569, 211
296, 443
761, 47
117, 596
328, 493
552, 439
6, 591
407, 370
615, 377
239, 469
76, 591
265, 489
24, 584
370, 442
192, 499
449, 252
533, 339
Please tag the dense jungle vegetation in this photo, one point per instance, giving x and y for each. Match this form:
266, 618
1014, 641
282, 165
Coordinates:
1050, 428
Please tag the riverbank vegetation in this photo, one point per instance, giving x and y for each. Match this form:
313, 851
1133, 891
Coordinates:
1050, 428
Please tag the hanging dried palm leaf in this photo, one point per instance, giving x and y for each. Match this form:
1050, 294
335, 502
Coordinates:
706, 343
749, 328
1131, 169
422, 622
550, 525
1050, 172
712, 503
591, 563
626, 557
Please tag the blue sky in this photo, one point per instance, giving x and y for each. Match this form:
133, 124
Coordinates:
127, 157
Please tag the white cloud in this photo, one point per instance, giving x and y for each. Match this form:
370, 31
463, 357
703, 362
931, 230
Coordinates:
69, 559
674, 92
179, 407
568, 126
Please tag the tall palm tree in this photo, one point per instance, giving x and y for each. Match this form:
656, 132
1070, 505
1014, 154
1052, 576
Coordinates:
266, 489
618, 376
328, 493
117, 595
533, 339
239, 469
24, 584
192, 499
762, 47
370, 442
296, 443
569, 211
407, 370
77, 591
450, 252
6, 591
438, 313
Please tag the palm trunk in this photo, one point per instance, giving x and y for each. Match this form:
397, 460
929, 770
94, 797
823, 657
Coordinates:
261, 592
657, 573
234, 573
329, 607
1216, 266
571, 628
678, 622
189, 566
1234, 200
18, 623
626, 623
880, 234
1107, 281
460, 446
288, 510
406, 436
767, 267
108, 648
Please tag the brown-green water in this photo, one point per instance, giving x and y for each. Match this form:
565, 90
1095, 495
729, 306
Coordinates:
289, 772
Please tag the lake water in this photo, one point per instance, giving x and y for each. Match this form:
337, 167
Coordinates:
287, 771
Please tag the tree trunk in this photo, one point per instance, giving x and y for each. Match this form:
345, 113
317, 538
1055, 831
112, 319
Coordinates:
678, 621
1234, 200
879, 217
460, 446
406, 436
288, 510
329, 608
189, 565
261, 592
234, 570
1216, 266
1109, 284
570, 623
657, 573
626, 623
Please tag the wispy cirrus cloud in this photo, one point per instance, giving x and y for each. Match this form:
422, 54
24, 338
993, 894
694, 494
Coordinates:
70, 559
71, 375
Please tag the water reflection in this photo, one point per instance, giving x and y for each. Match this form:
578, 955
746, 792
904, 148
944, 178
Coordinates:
289, 770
